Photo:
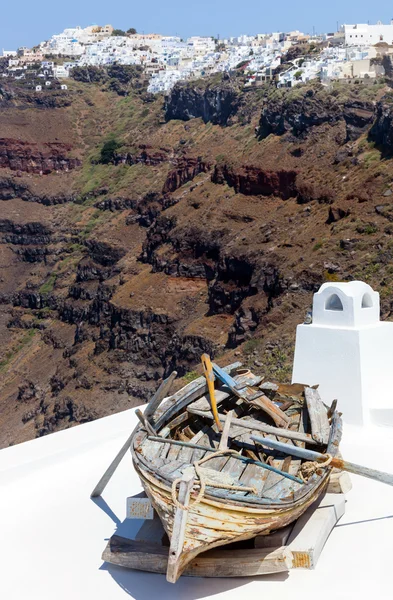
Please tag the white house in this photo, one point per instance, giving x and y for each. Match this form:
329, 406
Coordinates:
367, 35
9, 53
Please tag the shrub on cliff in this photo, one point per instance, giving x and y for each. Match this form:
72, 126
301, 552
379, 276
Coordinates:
108, 151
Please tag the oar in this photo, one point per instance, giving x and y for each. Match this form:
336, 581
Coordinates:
337, 463
248, 461
150, 409
208, 371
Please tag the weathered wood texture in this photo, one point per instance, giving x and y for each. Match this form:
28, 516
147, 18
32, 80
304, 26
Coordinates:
339, 483
312, 530
297, 546
179, 528
159, 396
258, 426
317, 412
103, 482
153, 558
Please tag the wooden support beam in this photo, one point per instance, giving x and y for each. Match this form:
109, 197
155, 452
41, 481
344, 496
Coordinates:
253, 424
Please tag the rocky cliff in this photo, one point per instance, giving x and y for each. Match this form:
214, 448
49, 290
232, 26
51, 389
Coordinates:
301, 110
215, 103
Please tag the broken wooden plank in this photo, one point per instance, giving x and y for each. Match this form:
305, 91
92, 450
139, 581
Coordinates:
145, 423
271, 409
153, 558
258, 426
179, 527
182, 418
185, 396
320, 428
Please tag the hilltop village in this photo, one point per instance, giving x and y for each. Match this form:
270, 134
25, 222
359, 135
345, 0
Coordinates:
284, 58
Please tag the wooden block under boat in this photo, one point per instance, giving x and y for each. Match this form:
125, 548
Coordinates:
145, 556
293, 547
312, 530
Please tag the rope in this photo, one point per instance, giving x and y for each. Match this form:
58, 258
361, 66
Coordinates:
308, 469
203, 481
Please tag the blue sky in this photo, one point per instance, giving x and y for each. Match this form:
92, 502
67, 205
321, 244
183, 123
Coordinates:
25, 23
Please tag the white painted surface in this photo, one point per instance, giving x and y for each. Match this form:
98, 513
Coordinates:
52, 534
348, 351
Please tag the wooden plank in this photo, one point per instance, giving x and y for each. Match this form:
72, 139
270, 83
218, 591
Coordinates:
317, 413
185, 396
204, 403
258, 426
145, 423
254, 476
153, 558
174, 423
271, 409
275, 539
159, 396
225, 432
339, 483
312, 530
179, 528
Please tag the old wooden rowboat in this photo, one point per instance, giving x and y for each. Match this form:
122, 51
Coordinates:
212, 487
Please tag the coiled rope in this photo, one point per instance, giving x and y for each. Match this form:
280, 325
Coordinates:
308, 469
203, 481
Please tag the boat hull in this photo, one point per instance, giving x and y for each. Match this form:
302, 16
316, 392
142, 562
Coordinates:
213, 523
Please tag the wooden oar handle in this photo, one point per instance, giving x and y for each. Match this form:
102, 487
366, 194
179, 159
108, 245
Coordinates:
208, 370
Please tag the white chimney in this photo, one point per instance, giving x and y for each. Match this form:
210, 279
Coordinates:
348, 351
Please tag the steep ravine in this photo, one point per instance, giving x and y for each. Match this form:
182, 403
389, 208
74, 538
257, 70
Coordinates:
217, 216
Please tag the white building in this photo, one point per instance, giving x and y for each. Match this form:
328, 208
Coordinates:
368, 35
9, 53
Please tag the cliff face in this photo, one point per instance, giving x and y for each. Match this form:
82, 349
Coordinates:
300, 111
216, 103
253, 181
28, 158
194, 237
382, 130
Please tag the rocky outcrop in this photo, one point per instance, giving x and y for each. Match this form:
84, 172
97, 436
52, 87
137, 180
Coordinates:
253, 181
24, 234
147, 155
382, 131
186, 169
11, 95
28, 158
298, 111
215, 103
157, 235
103, 253
10, 189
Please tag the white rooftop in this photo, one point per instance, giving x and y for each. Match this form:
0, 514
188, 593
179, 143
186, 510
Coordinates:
53, 534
